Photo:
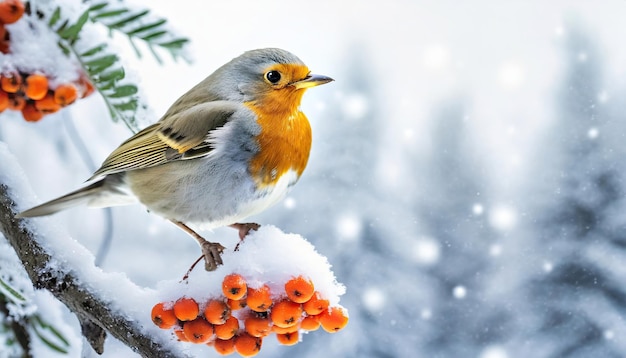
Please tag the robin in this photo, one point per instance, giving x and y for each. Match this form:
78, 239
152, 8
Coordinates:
230, 147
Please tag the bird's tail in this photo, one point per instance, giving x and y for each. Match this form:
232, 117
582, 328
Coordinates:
75, 198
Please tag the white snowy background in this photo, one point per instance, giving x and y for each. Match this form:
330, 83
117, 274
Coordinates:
466, 180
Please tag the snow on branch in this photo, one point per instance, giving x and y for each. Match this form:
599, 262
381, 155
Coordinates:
55, 262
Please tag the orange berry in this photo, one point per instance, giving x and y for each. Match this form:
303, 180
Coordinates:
162, 317
85, 86
11, 11
228, 329
299, 289
247, 345
16, 102
198, 330
186, 309
31, 113
315, 305
286, 313
4, 100
234, 286
258, 325
283, 330
180, 335
333, 319
259, 299
224, 346
36, 86
65, 94
11, 82
47, 104
216, 312
288, 339
235, 305
310, 323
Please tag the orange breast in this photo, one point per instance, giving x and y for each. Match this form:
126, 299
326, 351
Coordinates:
284, 141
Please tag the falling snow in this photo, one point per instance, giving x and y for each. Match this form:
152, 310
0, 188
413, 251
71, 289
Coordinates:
459, 292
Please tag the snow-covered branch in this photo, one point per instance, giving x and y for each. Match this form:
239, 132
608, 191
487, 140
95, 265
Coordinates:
96, 310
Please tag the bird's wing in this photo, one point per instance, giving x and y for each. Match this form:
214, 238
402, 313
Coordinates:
180, 136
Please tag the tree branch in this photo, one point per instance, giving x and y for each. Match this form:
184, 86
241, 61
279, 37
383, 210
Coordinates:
66, 287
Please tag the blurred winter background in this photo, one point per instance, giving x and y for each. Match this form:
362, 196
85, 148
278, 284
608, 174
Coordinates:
466, 180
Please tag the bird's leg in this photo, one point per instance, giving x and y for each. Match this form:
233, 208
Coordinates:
211, 250
244, 230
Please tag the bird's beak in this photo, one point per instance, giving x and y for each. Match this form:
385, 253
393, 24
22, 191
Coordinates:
311, 81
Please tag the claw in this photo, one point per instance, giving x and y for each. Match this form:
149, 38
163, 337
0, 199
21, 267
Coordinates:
212, 252
244, 228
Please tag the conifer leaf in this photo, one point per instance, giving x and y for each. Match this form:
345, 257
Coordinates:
93, 50
96, 7
56, 16
153, 35
113, 75
121, 23
12, 293
46, 332
146, 27
101, 63
123, 91
71, 32
111, 13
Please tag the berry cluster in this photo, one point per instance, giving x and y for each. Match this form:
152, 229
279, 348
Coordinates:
10, 12
33, 94
240, 319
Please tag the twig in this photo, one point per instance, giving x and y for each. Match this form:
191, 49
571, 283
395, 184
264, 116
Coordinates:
66, 287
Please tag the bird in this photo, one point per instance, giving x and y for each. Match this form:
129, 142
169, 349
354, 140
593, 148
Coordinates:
230, 147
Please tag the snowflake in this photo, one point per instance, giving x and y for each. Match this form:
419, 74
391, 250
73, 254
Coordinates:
503, 218
374, 299
459, 292
426, 251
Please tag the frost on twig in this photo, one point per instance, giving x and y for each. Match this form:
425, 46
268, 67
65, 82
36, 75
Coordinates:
64, 284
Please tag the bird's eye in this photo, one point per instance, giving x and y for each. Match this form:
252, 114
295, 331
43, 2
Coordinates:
273, 76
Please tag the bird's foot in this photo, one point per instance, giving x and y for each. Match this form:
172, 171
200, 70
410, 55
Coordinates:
212, 252
244, 230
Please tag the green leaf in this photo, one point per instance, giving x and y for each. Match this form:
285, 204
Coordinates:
125, 21
128, 106
63, 26
153, 35
56, 15
111, 13
155, 54
101, 63
97, 7
72, 31
123, 91
174, 44
64, 48
146, 27
134, 46
114, 75
38, 325
16, 296
105, 86
93, 50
